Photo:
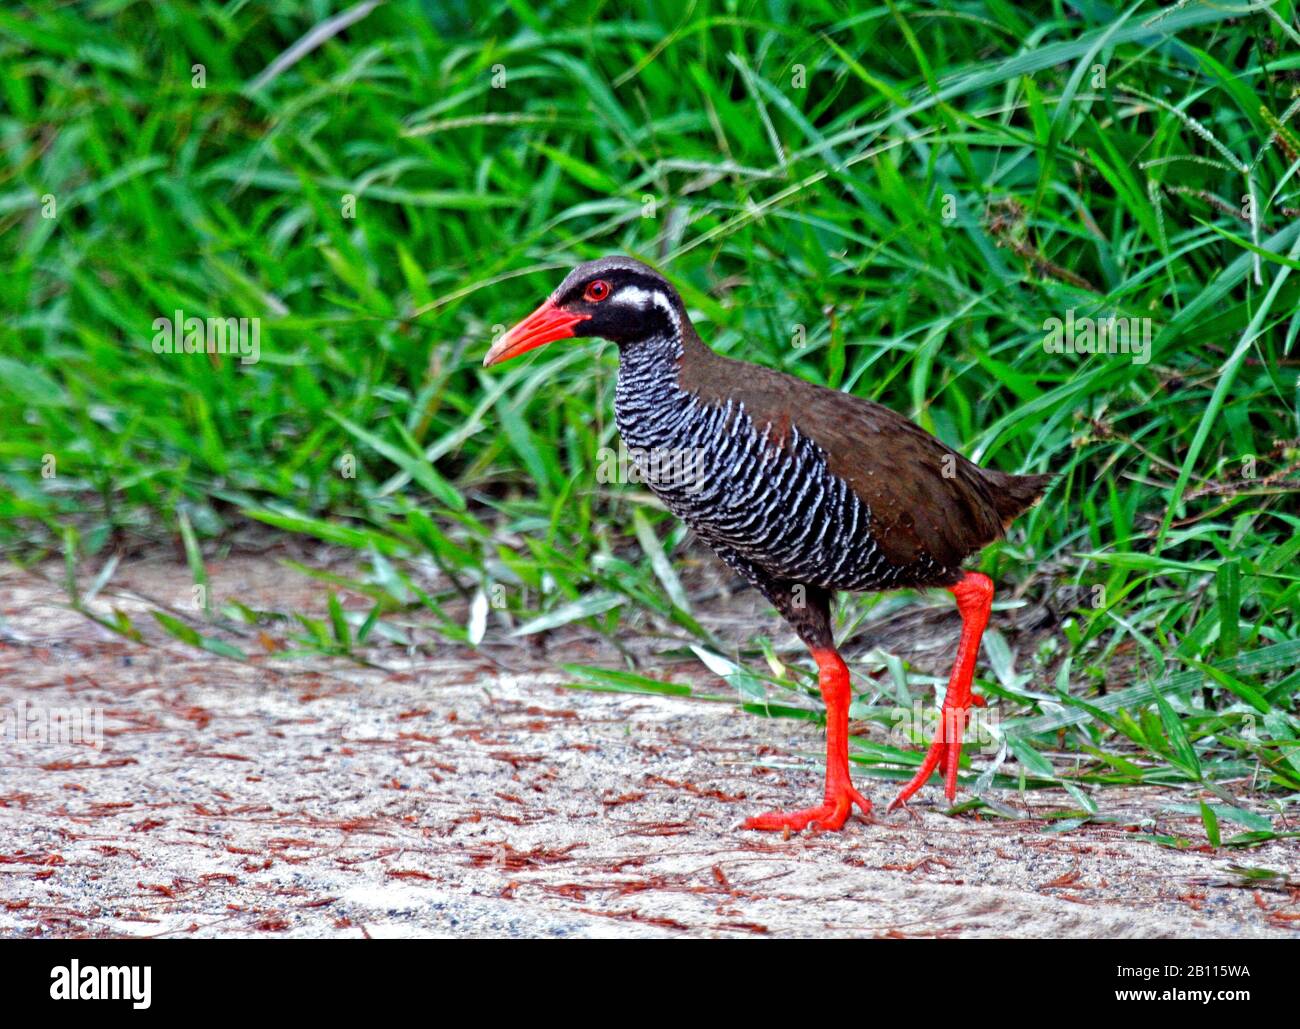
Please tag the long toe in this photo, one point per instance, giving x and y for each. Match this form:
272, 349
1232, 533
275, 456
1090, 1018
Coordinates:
857, 798
831, 815
825, 816
938, 751
952, 762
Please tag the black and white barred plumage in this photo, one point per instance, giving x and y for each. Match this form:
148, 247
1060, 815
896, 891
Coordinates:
777, 507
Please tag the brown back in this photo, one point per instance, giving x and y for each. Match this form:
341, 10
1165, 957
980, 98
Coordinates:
924, 497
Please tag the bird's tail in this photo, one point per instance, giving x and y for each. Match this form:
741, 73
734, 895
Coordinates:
1013, 495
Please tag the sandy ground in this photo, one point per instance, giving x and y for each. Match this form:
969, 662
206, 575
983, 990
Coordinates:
445, 798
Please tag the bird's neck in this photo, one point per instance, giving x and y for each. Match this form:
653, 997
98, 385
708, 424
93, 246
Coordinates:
650, 401
648, 364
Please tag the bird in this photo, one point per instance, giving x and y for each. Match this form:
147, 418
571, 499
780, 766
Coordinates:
802, 490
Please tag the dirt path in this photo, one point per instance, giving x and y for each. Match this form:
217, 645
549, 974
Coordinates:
447, 799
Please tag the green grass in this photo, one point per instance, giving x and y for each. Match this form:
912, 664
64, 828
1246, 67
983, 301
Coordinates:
948, 179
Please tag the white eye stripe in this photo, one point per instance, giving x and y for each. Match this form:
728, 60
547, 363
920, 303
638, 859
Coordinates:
635, 296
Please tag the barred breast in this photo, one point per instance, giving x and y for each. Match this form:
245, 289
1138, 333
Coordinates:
775, 504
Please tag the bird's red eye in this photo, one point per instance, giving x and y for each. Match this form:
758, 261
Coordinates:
597, 290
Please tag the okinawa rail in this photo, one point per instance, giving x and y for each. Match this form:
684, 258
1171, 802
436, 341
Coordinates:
800, 489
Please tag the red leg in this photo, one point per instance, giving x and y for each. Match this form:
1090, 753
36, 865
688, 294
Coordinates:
974, 600
833, 677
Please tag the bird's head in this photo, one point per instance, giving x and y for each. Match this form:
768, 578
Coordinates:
615, 298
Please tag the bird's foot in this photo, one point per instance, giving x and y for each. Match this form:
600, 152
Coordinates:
830, 815
944, 753
974, 595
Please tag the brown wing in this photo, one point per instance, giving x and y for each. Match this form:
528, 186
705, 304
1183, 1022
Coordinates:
924, 497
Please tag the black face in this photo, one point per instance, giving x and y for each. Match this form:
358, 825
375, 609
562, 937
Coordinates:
623, 300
